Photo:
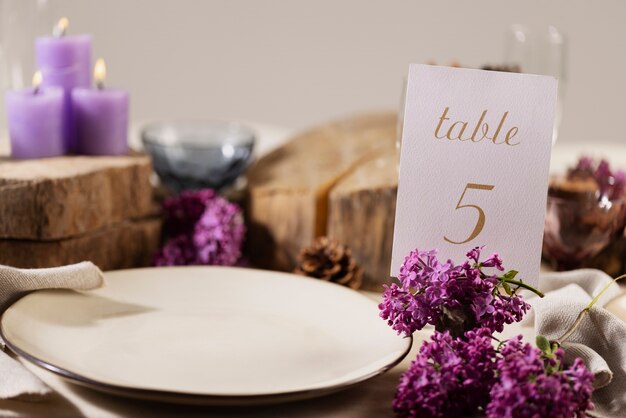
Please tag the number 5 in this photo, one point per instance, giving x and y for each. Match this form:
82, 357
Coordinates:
480, 223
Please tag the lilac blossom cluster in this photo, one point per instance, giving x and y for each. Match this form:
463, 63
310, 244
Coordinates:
452, 297
448, 376
532, 383
465, 376
610, 183
204, 228
459, 372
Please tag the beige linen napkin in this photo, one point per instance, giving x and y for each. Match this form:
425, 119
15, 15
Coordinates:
15, 380
600, 339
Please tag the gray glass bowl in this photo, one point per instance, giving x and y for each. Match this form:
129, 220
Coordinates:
194, 155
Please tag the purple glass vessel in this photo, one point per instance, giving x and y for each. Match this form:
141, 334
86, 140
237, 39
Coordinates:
101, 119
35, 120
65, 61
576, 229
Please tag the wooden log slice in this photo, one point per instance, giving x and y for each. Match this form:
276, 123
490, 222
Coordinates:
288, 189
124, 245
56, 198
362, 209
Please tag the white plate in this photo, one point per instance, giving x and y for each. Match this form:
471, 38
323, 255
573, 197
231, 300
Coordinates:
206, 335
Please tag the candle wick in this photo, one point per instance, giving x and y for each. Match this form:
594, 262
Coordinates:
100, 84
36, 89
59, 31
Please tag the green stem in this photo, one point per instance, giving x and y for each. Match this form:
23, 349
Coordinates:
559, 341
585, 311
594, 300
525, 286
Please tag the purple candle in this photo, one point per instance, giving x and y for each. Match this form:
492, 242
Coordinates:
35, 119
65, 61
101, 118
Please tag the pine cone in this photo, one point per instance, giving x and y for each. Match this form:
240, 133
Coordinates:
327, 260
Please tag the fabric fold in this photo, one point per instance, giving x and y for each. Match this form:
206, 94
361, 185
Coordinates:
16, 382
598, 340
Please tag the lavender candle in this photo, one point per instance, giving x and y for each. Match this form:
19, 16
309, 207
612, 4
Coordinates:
101, 117
65, 61
35, 120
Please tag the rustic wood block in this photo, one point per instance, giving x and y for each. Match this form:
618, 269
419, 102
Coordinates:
288, 189
362, 213
62, 197
123, 245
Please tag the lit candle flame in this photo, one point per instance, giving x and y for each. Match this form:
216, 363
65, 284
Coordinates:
60, 29
100, 73
37, 79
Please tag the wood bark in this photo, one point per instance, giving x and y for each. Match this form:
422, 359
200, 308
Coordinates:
56, 198
362, 213
123, 245
288, 202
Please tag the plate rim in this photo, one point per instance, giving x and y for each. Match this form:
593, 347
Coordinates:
182, 397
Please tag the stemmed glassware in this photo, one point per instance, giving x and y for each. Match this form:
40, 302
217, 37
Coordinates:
540, 51
21, 21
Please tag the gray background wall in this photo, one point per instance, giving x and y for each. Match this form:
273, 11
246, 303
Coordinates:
296, 63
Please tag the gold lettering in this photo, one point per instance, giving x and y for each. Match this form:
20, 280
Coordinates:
441, 119
480, 222
509, 135
482, 117
485, 131
457, 129
463, 126
495, 136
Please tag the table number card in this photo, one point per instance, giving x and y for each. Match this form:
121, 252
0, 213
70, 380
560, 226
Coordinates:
474, 165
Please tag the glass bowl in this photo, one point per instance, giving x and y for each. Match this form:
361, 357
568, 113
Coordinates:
577, 229
200, 154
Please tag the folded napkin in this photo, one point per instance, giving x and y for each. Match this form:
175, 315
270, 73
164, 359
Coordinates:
15, 380
600, 339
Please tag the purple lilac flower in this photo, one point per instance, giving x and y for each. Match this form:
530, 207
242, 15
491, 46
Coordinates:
493, 260
182, 212
398, 309
449, 378
456, 298
178, 251
619, 179
610, 183
474, 254
584, 167
219, 233
204, 229
504, 310
533, 384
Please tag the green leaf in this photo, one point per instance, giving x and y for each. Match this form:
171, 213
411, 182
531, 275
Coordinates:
543, 344
510, 275
555, 346
507, 288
